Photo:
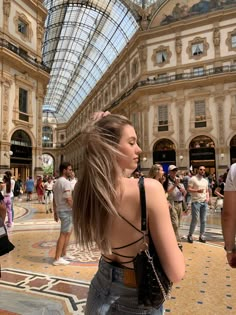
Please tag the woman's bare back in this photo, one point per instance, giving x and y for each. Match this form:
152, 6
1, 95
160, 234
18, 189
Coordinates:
121, 232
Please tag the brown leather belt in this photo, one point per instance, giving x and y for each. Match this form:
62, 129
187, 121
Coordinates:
129, 278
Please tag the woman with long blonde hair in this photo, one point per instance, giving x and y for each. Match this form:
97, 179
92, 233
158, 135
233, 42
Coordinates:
156, 172
106, 212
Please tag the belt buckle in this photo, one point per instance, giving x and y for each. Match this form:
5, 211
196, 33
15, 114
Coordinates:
129, 278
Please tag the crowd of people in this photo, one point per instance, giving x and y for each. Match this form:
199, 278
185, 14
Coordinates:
103, 208
12, 189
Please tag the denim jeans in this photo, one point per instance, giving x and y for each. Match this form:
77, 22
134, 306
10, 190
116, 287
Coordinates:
12, 209
198, 208
109, 296
7, 201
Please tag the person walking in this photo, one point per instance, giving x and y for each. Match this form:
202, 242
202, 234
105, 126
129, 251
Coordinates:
48, 194
228, 217
5, 188
186, 178
176, 195
107, 212
40, 189
62, 208
73, 181
9, 174
198, 187
29, 187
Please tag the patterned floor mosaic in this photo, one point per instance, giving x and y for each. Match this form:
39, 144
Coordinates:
28, 276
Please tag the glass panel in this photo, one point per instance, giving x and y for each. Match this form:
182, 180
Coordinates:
200, 110
80, 43
161, 56
233, 41
198, 71
197, 49
23, 99
22, 27
163, 114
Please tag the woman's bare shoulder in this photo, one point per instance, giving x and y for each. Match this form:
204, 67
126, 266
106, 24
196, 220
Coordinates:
150, 184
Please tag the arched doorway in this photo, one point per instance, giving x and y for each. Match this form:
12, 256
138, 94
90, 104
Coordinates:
233, 150
164, 153
202, 152
21, 159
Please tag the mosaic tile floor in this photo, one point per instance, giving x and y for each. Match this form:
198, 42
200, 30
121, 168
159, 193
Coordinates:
28, 276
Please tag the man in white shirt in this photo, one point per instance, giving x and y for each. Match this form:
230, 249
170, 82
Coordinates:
228, 218
198, 187
62, 207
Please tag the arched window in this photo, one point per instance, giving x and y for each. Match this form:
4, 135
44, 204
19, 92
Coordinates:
21, 138
47, 137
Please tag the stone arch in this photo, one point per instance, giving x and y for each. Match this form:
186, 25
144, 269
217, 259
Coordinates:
202, 152
21, 158
164, 152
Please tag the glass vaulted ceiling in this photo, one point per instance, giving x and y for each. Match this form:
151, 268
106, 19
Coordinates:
82, 39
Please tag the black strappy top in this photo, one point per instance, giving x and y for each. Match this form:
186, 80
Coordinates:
131, 258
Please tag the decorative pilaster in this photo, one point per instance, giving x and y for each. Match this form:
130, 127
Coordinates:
178, 50
216, 41
180, 103
145, 130
40, 31
6, 13
142, 51
219, 101
5, 111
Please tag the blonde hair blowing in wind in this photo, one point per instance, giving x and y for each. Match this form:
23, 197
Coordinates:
95, 196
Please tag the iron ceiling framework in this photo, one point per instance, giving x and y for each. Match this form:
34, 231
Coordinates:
82, 39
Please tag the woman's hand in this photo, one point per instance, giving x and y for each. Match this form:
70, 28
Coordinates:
56, 218
98, 115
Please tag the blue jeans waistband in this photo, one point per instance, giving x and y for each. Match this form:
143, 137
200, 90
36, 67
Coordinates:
125, 276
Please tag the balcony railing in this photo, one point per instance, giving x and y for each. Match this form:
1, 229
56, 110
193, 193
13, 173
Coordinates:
174, 78
23, 54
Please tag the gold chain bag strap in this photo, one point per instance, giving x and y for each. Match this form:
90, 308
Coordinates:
153, 284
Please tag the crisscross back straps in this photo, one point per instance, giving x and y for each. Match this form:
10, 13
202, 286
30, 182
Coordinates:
143, 204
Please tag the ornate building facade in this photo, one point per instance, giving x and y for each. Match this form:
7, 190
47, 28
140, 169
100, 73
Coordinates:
176, 81
23, 81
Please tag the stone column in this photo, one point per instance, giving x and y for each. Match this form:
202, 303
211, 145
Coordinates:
4, 135
37, 154
219, 102
181, 150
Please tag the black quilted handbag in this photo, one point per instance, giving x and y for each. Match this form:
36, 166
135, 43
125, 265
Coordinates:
5, 245
153, 285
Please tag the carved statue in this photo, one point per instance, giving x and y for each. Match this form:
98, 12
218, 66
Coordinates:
6, 7
178, 45
216, 37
